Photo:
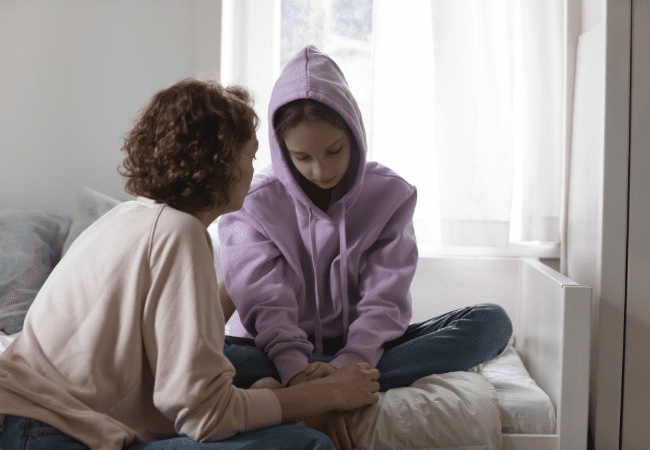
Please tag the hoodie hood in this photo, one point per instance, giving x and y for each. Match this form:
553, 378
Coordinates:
312, 74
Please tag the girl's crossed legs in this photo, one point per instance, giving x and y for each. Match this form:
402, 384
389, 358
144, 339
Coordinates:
455, 341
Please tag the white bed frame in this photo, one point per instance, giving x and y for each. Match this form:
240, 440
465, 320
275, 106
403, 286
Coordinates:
551, 319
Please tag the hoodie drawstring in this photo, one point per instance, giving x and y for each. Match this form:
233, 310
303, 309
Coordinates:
318, 329
343, 247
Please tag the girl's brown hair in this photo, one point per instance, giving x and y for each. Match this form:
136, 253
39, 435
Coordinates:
291, 114
184, 147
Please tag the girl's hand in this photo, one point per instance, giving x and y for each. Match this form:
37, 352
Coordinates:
313, 371
319, 369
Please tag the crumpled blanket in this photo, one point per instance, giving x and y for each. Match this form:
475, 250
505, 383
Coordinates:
456, 410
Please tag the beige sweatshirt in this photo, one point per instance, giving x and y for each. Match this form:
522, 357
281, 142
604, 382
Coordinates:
124, 342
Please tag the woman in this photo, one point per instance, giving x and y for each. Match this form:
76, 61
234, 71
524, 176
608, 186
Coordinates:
124, 343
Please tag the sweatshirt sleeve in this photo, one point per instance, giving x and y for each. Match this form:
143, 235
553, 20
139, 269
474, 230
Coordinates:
384, 309
263, 287
183, 333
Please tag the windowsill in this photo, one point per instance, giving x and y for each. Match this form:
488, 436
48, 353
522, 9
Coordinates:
519, 249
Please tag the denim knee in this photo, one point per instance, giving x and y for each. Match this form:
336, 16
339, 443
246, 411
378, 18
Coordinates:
25, 432
301, 437
500, 329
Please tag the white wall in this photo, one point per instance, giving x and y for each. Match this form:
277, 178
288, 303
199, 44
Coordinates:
74, 75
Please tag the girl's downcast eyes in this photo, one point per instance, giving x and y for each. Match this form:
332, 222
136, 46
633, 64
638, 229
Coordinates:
331, 153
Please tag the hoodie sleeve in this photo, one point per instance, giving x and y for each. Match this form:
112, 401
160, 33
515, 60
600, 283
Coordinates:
384, 309
263, 287
183, 333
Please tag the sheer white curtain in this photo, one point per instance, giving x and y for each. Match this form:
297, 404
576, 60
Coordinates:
467, 103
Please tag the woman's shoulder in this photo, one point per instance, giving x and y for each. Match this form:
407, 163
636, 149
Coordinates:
151, 213
145, 218
171, 222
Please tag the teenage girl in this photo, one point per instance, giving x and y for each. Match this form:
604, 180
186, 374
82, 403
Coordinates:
124, 344
319, 260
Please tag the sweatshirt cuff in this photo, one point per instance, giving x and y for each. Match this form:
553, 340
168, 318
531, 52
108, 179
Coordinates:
343, 359
289, 363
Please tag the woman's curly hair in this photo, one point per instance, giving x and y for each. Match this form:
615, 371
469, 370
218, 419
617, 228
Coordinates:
184, 147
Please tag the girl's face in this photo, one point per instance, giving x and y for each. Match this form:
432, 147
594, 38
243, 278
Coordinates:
320, 152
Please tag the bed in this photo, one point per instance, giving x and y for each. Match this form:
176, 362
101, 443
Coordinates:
551, 320
533, 396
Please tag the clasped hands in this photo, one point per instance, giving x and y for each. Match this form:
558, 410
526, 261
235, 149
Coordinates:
339, 426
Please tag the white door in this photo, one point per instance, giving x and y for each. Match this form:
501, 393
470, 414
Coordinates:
635, 430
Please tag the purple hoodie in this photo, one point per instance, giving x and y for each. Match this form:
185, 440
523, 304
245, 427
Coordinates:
293, 270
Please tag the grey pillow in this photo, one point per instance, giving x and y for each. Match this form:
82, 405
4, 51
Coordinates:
91, 206
31, 244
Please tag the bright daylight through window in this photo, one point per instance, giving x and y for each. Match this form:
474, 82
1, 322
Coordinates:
463, 99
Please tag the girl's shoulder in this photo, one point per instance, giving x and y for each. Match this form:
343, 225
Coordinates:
265, 179
266, 189
378, 176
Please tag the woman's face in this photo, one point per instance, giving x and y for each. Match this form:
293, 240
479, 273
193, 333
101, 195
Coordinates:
240, 190
320, 152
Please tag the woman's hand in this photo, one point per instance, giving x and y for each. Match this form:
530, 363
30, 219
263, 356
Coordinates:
349, 388
339, 426
355, 385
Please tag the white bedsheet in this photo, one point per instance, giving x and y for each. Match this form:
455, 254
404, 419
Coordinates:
524, 407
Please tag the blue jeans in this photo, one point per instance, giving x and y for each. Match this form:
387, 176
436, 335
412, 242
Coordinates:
21, 433
454, 341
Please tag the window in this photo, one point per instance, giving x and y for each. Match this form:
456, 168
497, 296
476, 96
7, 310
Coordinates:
259, 37
279, 29
340, 28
